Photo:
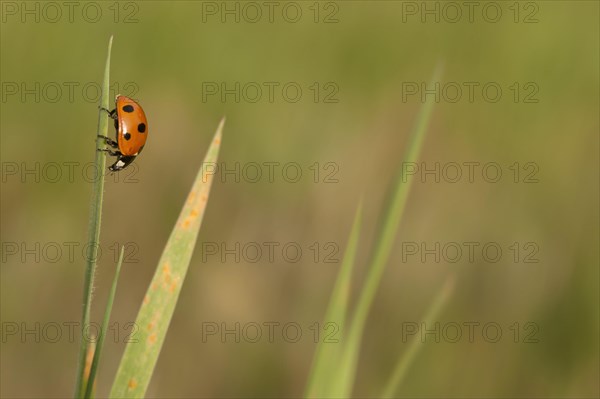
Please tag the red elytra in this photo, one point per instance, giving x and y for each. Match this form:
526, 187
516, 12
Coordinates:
131, 127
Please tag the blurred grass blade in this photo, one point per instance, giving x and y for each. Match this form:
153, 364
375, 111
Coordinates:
139, 359
327, 354
386, 234
407, 358
94, 224
107, 311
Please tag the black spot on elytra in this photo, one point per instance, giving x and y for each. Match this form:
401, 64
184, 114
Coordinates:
127, 136
128, 108
142, 127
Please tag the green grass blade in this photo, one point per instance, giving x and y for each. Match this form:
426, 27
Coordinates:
139, 359
406, 360
94, 224
327, 354
89, 357
385, 237
107, 311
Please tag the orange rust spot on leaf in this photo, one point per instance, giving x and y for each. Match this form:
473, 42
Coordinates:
194, 213
191, 197
217, 141
186, 223
150, 326
166, 268
173, 286
166, 271
132, 384
146, 299
152, 338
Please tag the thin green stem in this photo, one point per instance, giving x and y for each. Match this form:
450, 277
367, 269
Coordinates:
94, 225
413, 349
102, 335
327, 354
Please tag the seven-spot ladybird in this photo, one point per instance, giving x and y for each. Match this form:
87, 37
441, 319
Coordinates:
131, 130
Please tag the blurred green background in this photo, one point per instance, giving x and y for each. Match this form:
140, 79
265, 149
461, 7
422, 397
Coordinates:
168, 52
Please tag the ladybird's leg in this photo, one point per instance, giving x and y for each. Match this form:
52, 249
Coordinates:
109, 141
112, 114
111, 152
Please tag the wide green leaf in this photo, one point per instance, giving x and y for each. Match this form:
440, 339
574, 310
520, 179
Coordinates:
154, 317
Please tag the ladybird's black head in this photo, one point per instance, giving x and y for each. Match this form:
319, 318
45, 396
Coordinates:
122, 162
